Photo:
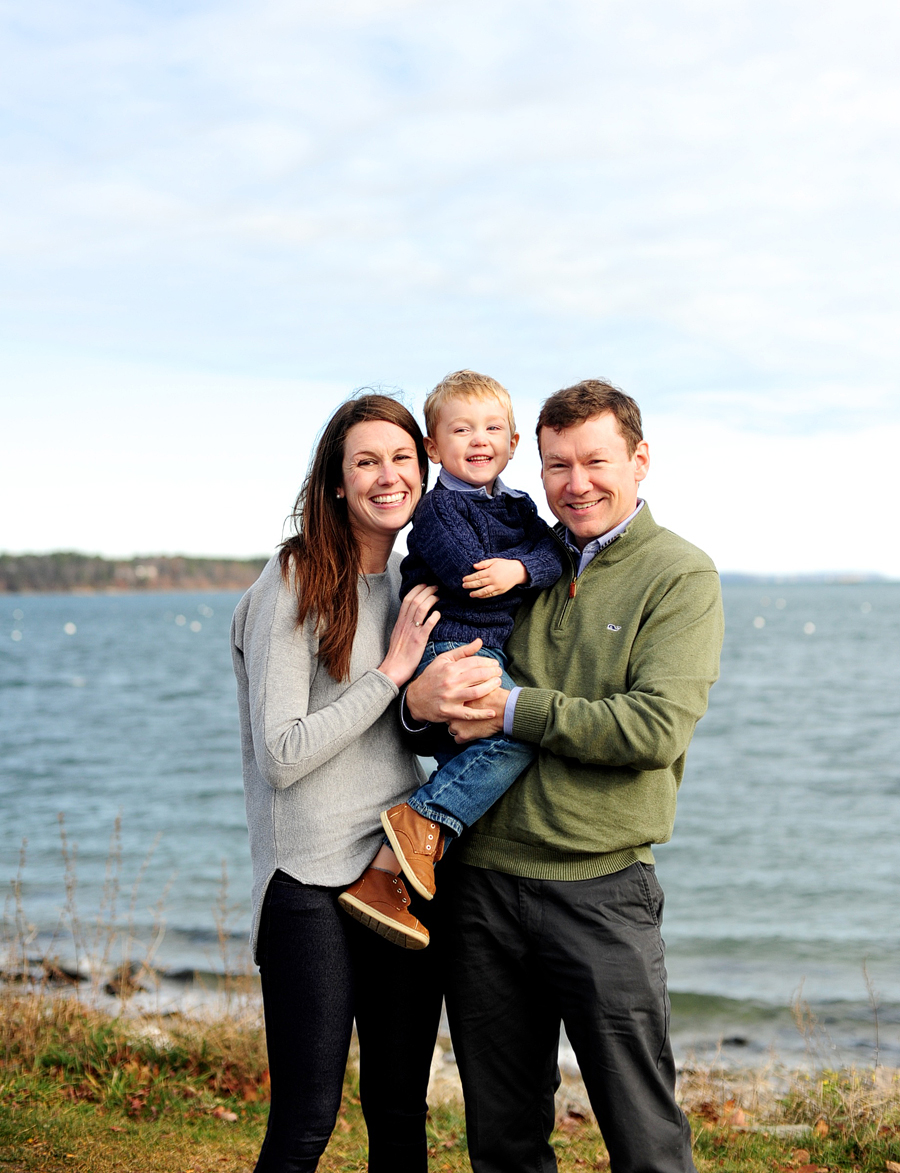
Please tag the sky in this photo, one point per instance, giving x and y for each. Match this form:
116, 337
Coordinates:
217, 219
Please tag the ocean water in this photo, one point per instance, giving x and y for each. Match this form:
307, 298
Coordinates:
118, 715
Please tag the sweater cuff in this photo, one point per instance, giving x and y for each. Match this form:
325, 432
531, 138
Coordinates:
531, 715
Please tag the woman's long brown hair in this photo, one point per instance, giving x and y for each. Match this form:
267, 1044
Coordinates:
322, 559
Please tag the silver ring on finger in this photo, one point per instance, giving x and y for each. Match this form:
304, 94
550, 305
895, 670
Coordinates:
418, 623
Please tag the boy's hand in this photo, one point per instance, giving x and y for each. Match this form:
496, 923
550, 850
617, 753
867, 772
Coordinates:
495, 576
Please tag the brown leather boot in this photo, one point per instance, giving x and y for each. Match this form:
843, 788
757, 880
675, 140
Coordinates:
380, 901
418, 844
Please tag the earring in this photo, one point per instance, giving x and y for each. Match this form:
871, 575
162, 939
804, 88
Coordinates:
339, 494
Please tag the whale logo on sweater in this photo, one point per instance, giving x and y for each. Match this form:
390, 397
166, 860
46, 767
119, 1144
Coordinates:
614, 627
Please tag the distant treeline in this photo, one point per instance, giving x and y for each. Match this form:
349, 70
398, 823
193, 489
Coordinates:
86, 573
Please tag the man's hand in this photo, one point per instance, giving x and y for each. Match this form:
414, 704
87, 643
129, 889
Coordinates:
453, 681
469, 730
495, 576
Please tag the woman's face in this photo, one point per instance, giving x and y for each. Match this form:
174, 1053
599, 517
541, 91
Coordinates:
382, 481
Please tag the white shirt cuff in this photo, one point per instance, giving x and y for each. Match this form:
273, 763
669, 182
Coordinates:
510, 711
408, 721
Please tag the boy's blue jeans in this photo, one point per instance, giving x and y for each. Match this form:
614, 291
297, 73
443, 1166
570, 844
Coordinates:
471, 778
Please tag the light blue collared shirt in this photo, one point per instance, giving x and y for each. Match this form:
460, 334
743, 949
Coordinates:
449, 481
585, 557
593, 548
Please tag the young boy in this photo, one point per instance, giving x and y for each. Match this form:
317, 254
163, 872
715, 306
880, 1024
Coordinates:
486, 547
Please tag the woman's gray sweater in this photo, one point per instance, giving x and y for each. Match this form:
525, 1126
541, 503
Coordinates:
321, 758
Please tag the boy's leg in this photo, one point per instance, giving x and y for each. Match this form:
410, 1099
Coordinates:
460, 792
457, 794
469, 782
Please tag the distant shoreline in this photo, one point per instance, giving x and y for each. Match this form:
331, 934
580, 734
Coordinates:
68, 572
829, 578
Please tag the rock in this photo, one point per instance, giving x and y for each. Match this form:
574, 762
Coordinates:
60, 974
124, 981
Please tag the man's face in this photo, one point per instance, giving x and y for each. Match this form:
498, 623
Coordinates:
590, 480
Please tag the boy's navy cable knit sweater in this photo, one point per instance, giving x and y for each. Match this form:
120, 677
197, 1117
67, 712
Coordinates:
452, 531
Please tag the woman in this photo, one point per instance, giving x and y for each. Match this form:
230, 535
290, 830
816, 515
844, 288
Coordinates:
321, 646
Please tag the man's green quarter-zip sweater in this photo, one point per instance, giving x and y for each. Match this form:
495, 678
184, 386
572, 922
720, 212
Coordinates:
615, 666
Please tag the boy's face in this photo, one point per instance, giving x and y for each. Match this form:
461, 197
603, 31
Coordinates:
472, 440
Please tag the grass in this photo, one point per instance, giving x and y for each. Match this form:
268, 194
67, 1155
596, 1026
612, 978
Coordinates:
80, 1090
84, 1090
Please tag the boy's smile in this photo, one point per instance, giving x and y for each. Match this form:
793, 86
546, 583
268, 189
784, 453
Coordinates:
473, 440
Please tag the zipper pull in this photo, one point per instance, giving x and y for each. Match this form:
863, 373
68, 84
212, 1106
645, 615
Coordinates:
573, 586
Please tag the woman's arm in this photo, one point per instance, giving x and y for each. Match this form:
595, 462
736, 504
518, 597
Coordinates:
282, 669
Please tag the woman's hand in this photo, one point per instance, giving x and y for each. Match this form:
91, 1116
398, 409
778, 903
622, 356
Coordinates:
495, 576
450, 681
411, 633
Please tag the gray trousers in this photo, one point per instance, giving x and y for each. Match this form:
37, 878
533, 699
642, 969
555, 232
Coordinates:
525, 955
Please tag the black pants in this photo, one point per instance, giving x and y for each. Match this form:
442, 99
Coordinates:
319, 970
524, 955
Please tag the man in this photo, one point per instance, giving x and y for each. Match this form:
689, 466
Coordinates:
555, 908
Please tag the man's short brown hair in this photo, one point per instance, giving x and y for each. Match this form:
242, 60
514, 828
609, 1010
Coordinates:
586, 401
465, 384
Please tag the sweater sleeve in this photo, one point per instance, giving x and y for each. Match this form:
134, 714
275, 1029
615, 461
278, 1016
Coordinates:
280, 661
541, 554
673, 664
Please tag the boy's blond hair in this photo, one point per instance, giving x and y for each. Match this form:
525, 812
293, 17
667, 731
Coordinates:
465, 384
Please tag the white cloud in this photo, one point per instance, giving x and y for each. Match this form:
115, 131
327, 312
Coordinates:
130, 459
798, 504
694, 199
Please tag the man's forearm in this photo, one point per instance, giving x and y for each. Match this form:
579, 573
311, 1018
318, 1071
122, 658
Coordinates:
424, 738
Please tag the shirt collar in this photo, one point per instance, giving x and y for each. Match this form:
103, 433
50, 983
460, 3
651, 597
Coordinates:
600, 543
449, 481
